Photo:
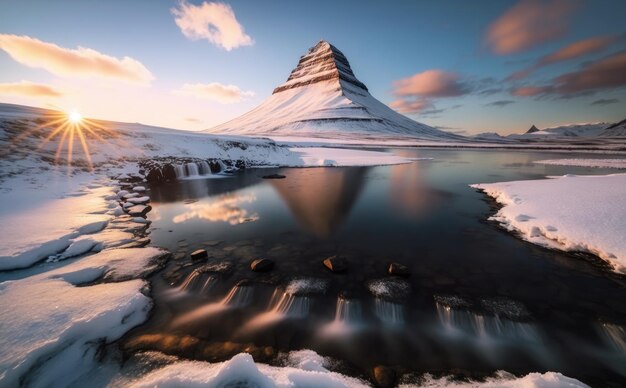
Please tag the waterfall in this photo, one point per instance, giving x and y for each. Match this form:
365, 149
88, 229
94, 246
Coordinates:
348, 317
389, 312
237, 297
180, 171
198, 281
614, 335
205, 169
192, 169
283, 305
222, 166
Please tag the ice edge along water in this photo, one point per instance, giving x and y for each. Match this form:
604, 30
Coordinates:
570, 213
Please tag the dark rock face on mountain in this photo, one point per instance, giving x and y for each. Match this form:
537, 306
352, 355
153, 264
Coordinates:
323, 98
323, 62
533, 129
618, 129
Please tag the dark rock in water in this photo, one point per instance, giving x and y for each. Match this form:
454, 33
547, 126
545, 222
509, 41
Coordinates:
215, 166
398, 269
199, 254
274, 176
169, 173
336, 264
384, 377
138, 210
240, 164
261, 265
155, 176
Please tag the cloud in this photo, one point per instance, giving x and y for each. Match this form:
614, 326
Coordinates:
500, 103
529, 23
215, 22
430, 83
411, 107
603, 74
490, 91
225, 94
29, 89
572, 51
604, 101
80, 62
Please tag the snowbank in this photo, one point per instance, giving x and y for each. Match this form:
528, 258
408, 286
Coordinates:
50, 328
600, 163
504, 380
572, 213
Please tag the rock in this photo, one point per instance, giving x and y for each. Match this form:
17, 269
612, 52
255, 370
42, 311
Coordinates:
336, 264
398, 269
169, 173
138, 210
139, 200
139, 189
155, 176
384, 377
274, 176
261, 265
199, 254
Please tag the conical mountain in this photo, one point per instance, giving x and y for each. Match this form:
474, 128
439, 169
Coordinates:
532, 129
323, 98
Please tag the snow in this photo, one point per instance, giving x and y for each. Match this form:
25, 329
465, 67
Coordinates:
571, 213
323, 157
503, 380
600, 163
40, 318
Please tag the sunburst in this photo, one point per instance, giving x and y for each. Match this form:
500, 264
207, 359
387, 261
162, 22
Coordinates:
66, 128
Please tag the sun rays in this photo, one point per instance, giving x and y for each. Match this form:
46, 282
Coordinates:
67, 129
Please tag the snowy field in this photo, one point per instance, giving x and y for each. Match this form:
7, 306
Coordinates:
598, 163
571, 213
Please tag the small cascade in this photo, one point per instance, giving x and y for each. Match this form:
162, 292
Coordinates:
204, 168
239, 296
388, 312
457, 321
180, 171
283, 305
614, 335
223, 166
192, 170
348, 317
198, 281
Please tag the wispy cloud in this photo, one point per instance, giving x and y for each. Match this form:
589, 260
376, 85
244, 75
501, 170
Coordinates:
410, 107
572, 51
603, 74
215, 22
529, 23
29, 89
500, 103
225, 94
430, 83
605, 101
80, 62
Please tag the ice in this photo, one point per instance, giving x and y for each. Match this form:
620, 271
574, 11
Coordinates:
47, 338
572, 213
599, 163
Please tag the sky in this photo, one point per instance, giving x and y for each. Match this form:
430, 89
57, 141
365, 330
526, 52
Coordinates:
462, 66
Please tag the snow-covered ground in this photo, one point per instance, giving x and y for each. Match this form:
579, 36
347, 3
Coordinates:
572, 213
599, 163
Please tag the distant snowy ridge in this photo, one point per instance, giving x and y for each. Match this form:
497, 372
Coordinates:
570, 213
323, 98
598, 163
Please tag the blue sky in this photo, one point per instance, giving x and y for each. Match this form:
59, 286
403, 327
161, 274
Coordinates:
385, 43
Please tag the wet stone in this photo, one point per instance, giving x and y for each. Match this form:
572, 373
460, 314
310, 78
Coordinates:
398, 269
336, 264
261, 265
199, 254
384, 377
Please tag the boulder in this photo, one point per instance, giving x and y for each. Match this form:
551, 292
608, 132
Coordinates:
199, 254
261, 265
138, 210
336, 264
155, 175
398, 269
384, 377
169, 173
274, 176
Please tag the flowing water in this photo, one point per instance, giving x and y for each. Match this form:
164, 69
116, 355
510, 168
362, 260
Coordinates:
478, 298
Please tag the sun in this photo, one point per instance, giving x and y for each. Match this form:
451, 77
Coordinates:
74, 117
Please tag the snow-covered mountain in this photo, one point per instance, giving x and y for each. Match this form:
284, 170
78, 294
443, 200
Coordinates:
615, 130
323, 98
564, 131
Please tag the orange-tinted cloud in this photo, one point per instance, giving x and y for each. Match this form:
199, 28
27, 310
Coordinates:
225, 94
404, 106
430, 83
80, 62
529, 23
572, 51
215, 22
603, 74
29, 89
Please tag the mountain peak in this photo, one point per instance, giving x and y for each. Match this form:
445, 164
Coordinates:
322, 63
533, 129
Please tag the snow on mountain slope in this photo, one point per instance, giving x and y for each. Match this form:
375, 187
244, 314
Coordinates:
565, 131
615, 130
323, 98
